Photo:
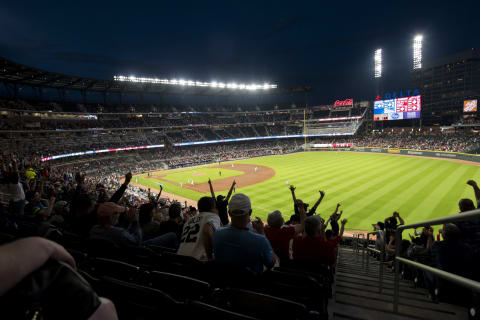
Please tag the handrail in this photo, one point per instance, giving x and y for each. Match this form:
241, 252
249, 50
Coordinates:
382, 259
464, 282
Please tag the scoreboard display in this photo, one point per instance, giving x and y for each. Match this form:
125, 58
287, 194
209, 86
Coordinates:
397, 109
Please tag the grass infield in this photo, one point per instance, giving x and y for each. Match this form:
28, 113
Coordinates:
368, 186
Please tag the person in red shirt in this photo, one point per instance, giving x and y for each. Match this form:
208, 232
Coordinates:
280, 235
313, 246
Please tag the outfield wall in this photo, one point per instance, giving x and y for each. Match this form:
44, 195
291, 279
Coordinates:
411, 152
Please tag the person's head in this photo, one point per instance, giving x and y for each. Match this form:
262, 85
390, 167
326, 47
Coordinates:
312, 226
294, 219
466, 205
451, 232
108, 213
275, 219
207, 204
329, 234
175, 211
240, 210
145, 213
305, 205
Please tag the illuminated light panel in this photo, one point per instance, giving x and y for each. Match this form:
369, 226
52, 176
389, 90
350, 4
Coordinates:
378, 63
417, 52
191, 83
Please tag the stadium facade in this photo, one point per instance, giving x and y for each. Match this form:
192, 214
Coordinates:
445, 84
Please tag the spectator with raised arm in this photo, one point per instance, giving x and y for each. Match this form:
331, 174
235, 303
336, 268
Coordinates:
391, 225
280, 235
470, 229
222, 202
313, 210
197, 235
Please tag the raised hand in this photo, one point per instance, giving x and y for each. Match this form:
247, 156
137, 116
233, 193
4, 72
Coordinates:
258, 225
292, 188
344, 222
322, 193
472, 183
234, 183
131, 214
128, 177
209, 181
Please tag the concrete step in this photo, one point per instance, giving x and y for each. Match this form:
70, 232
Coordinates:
419, 303
407, 310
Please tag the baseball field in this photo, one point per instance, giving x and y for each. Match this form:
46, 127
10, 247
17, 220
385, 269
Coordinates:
368, 186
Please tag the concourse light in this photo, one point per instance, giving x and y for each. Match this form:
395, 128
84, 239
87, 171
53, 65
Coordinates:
182, 82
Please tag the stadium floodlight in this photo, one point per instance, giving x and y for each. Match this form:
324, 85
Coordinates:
378, 63
191, 83
417, 52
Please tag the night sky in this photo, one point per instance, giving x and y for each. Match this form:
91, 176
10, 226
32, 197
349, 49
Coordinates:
326, 45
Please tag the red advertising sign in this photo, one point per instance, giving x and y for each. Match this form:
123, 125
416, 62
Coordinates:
408, 104
343, 103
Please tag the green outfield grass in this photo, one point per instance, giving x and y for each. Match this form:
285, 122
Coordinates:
369, 186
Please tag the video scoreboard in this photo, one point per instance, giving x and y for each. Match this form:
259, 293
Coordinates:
397, 109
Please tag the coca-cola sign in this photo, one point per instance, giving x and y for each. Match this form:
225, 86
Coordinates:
343, 103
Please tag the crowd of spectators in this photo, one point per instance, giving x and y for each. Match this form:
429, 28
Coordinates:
454, 248
99, 209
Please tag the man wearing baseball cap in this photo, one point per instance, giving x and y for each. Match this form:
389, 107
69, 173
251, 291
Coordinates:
237, 245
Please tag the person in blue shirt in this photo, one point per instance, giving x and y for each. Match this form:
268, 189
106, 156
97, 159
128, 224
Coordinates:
237, 245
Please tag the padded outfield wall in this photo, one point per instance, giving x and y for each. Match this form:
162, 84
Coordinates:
410, 152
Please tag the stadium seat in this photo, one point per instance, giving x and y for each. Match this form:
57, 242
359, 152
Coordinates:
134, 301
197, 309
178, 286
259, 305
178, 264
300, 288
220, 276
161, 249
101, 267
98, 247
79, 256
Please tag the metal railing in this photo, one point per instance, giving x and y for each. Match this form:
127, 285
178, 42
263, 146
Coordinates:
461, 281
381, 253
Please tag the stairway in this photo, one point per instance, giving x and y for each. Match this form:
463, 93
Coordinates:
356, 294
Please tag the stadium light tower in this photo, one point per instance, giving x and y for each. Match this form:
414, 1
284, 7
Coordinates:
417, 52
378, 63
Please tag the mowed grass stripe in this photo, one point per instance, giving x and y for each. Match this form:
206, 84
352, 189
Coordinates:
330, 203
277, 193
414, 206
425, 208
452, 193
372, 192
323, 182
389, 201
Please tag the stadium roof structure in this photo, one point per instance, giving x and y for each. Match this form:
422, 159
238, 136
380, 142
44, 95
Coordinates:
19, 74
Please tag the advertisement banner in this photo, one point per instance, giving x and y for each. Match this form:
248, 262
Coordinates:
470, 105
393, 150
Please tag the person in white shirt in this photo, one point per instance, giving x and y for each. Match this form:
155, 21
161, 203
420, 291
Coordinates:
197, 234
17, 195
